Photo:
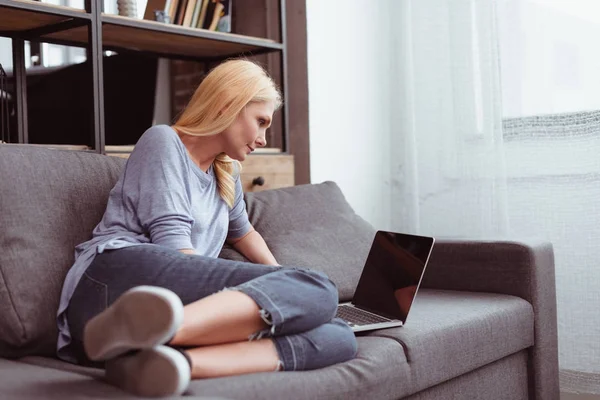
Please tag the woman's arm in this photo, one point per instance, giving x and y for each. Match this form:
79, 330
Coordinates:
154, 188
253, 247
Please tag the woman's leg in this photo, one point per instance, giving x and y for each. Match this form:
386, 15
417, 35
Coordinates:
290, 300
328, 344
206, 321
282, 302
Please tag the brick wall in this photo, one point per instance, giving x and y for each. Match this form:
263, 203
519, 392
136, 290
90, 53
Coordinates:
185, 78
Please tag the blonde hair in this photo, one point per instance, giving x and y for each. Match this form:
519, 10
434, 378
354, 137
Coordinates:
215, 105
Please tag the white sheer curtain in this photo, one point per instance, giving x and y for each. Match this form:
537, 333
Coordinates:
551, 96
496, 132
448, 170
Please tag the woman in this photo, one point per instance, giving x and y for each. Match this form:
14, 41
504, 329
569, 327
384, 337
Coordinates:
178, 200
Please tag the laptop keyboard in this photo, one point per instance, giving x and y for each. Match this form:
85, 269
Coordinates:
356, 316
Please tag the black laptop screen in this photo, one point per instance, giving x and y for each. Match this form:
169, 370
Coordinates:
392, 273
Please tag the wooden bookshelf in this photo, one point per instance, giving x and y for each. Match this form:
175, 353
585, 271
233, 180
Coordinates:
64, 25
27, 20
31, 20
166, 40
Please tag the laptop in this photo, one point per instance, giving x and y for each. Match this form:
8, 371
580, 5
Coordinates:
389, 282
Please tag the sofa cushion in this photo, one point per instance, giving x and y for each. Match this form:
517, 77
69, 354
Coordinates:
56, 380
377, 372
312, 226
507, 378
51, 200
450, 333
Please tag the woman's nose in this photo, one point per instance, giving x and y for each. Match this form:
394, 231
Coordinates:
261, 142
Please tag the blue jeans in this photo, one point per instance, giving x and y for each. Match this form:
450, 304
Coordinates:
299, 304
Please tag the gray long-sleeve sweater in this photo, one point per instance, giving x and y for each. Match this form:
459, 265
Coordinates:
161, 197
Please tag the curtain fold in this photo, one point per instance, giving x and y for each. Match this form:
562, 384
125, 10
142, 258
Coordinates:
448, 169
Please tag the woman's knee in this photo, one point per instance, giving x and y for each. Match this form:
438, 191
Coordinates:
331, 343
322, 293
348, 346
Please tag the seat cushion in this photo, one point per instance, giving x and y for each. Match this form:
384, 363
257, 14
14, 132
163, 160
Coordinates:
20, 380
376, 373
449, 333
507, 378
312, 226
51, 201
56, 380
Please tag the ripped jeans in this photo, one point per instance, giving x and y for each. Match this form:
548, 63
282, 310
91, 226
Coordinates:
297, 304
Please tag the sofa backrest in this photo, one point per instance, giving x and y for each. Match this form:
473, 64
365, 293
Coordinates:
50, 201
312, 226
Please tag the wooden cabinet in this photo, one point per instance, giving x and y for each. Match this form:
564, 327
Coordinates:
268, 171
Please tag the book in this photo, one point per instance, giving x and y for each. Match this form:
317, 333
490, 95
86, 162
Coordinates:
196, 14
189, 12
173, 11
202, 16
216, 16
210, 9
180, 12
224, 24
152, 6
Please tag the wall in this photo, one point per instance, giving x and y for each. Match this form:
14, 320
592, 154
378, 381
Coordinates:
349, 113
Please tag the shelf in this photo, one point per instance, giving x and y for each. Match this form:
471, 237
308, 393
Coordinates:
151, 36
168, 40
20, 16
69, 147
68, 26
28, 20
125, 149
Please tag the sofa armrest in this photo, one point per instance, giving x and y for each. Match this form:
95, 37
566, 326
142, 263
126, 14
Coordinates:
519, 268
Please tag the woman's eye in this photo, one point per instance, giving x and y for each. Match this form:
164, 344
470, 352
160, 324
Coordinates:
262, 121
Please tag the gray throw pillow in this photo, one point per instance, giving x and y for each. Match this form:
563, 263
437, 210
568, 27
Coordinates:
311, 226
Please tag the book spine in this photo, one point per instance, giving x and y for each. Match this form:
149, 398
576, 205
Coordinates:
224, 24
216, 16
202, 16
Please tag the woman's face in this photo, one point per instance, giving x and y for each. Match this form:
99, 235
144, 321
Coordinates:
248, 130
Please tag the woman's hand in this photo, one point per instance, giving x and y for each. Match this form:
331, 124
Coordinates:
188, 251
253, 247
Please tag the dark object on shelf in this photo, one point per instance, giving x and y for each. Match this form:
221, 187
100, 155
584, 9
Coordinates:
5, 108
60, 102
258, 181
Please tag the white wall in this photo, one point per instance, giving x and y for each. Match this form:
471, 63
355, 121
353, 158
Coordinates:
349, 113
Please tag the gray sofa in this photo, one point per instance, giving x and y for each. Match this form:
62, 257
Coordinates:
483, 326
